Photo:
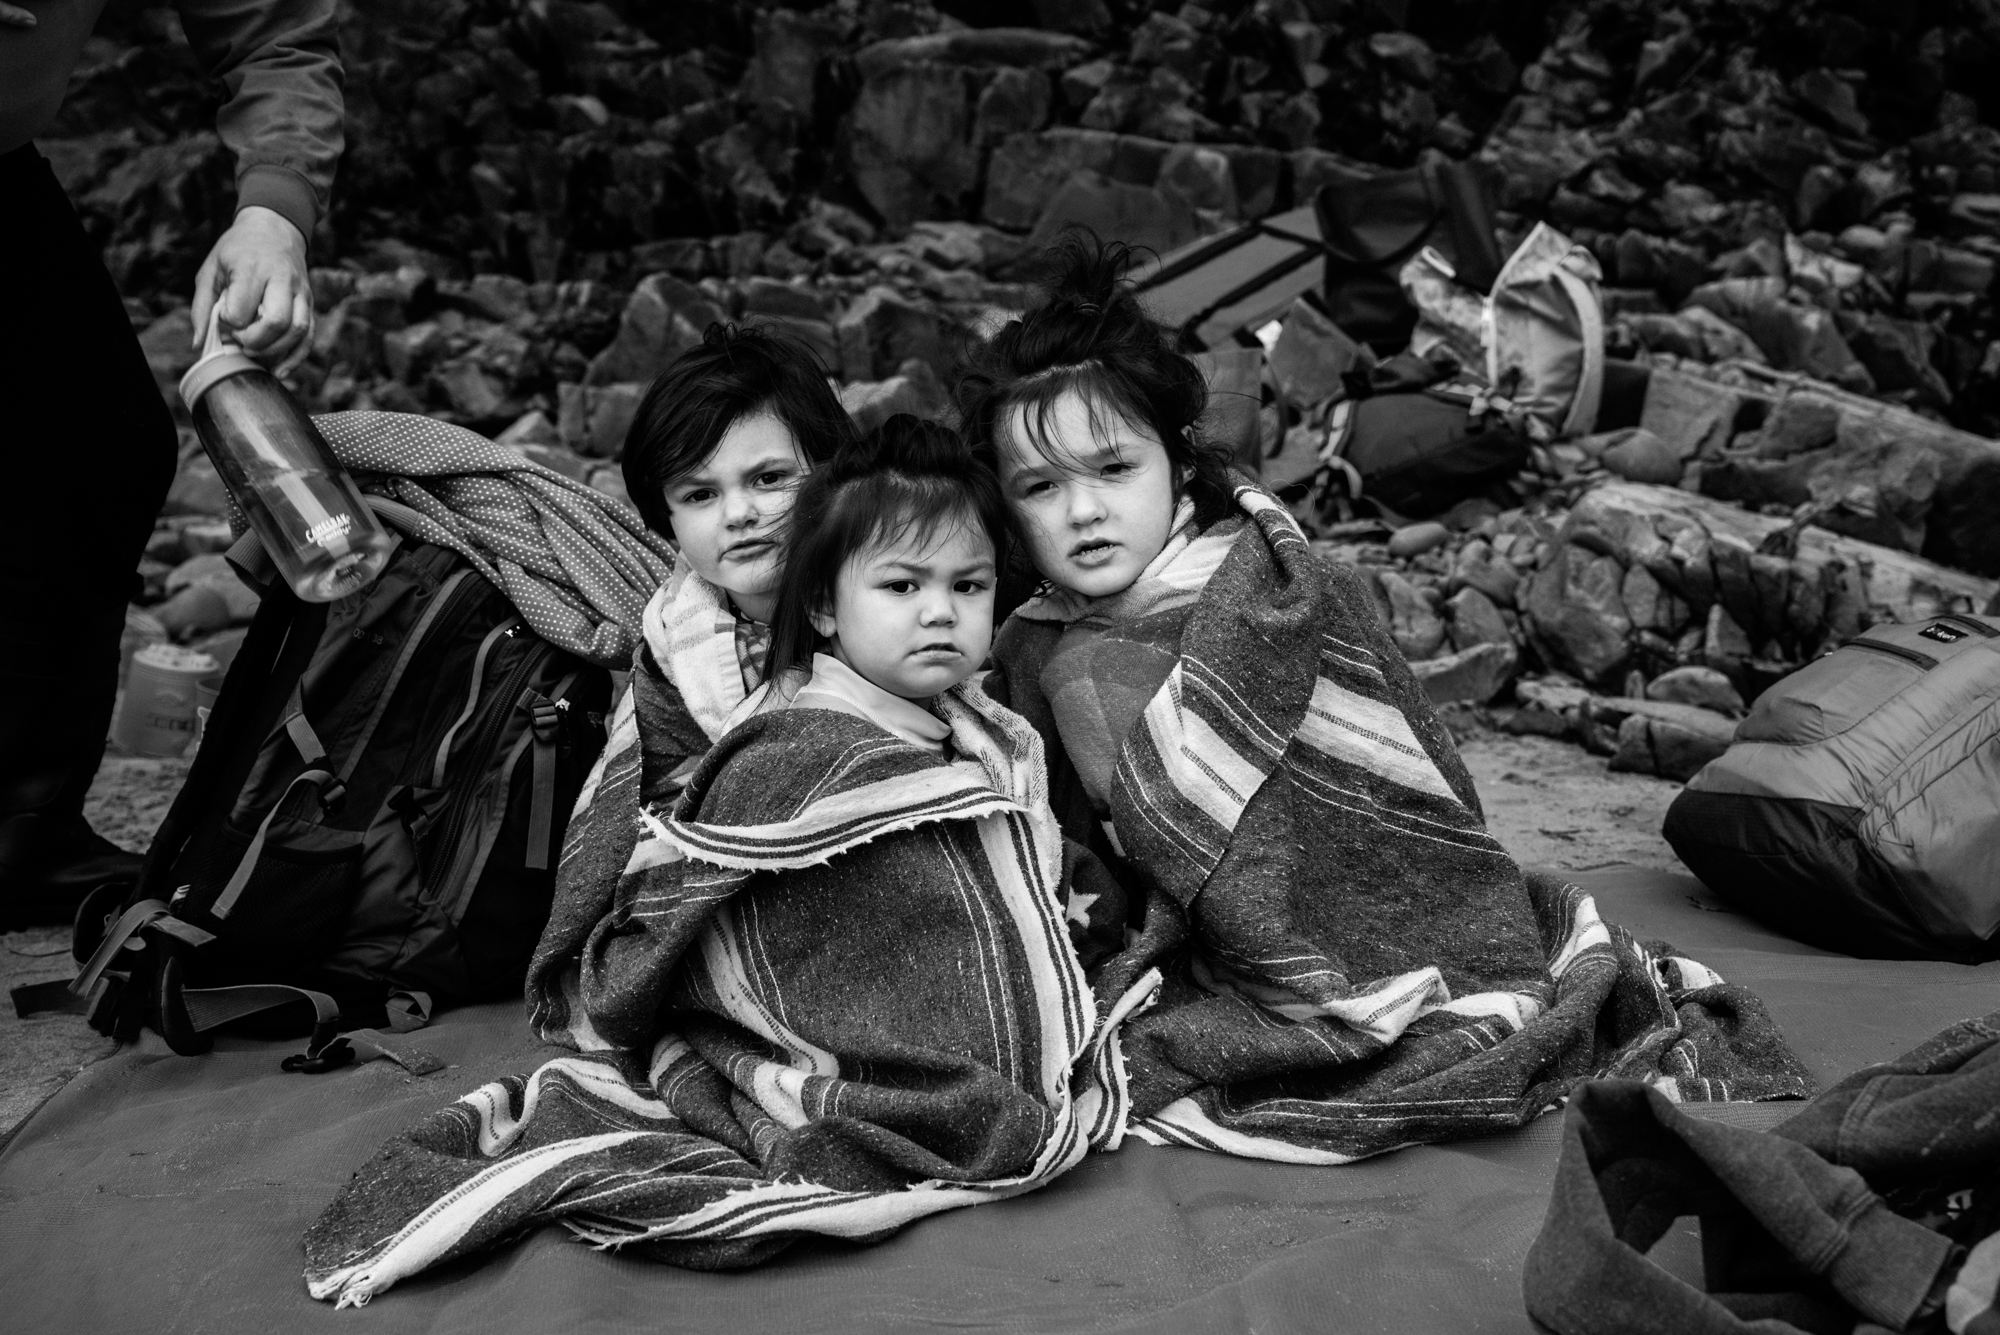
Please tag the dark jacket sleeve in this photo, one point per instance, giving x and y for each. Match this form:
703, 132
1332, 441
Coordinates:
279, 63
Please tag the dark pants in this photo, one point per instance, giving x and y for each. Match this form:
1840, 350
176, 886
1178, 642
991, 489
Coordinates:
87, 451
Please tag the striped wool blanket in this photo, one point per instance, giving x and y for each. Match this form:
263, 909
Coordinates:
1352, 963
827, 989
578, 564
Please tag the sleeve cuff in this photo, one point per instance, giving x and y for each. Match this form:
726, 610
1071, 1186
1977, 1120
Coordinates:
283, 191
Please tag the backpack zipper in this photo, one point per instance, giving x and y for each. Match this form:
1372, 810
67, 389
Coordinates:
506, 628
480, 750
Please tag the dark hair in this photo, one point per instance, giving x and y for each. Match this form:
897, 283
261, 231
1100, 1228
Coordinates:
909, 476
734, 372
1090, 335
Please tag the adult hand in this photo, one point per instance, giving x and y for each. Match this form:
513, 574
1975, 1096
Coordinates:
257, 276
13, 16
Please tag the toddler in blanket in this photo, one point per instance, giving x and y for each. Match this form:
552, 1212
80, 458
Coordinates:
833, 989
1352, 962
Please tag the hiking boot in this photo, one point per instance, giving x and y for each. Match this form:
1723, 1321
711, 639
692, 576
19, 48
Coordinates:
48, 865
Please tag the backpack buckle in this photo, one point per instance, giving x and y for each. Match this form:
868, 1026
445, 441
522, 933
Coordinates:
544, 715
331, 1057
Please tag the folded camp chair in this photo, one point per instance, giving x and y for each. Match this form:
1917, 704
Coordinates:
1216, 290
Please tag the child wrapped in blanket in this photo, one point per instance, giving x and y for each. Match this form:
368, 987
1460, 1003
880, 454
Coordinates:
835, 990
713, 460
1353, 963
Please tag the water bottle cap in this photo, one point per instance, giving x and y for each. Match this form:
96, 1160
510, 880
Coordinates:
203, 375
220, 359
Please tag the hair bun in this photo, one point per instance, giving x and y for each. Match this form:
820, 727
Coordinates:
915, 445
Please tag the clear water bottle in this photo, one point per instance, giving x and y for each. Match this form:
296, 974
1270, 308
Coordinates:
320, 534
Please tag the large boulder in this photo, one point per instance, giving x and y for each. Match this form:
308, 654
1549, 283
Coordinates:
1027, 170
882, 330
910, 142
593, 419
1576, 613
1139, 215
790, 50
1748, 595
663, 318
1473, 675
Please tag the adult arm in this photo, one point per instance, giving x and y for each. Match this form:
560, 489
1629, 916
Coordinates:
279, 64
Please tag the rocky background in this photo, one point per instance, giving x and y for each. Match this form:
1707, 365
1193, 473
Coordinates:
1796, 207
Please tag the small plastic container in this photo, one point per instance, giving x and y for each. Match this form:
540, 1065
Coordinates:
280, 471
157, 715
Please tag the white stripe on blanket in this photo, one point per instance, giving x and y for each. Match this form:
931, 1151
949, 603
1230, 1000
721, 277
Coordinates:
1202, 767
426, 1238
833, 825
1182, 1122
1381, 1010
777, 1088
692, 634
498, 1126
1370, 734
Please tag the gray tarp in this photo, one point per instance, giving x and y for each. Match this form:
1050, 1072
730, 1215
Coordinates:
158, 1193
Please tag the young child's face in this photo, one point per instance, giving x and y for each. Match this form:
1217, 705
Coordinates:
1096, 515
726, 513
915, 617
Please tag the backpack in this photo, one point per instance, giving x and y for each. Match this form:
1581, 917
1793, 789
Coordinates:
1415, 451
1858, 808
371, 823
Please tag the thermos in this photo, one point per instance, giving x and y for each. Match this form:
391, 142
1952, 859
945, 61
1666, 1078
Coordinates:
280, 471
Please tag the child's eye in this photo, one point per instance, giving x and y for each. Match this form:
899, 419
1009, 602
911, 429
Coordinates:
698, 496
1040, 489
901, 586
1115, 469
970, 586
775, 478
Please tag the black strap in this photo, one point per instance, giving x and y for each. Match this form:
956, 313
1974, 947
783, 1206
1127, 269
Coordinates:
400, 666
545, 718
326, 788
277, 647
146, 913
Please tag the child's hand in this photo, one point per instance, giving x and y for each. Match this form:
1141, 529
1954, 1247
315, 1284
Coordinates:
13, 16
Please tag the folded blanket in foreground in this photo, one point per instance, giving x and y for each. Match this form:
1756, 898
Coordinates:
1879, 1203
854, 1004
1352, 962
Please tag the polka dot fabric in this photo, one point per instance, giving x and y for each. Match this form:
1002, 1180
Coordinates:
578, 565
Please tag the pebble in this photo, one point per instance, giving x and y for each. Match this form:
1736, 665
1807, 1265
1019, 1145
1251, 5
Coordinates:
1644, 457
1700, 686
1417, 539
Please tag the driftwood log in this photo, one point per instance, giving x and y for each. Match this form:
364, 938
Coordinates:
1649, 578
1872, 470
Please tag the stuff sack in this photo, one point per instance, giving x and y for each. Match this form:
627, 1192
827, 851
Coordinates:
1544, 335
1418, 454
1372, 226
1859, 806
372, 822
1537, 337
